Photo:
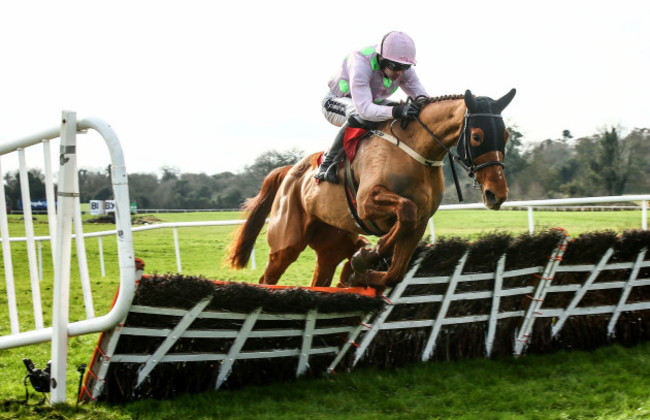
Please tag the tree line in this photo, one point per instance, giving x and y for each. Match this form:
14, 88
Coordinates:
602, 164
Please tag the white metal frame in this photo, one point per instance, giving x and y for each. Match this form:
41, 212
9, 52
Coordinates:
67, 211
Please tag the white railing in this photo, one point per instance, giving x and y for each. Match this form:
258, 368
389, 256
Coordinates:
61, 219
530, 205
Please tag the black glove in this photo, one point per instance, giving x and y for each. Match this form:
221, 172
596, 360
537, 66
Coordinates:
407, 111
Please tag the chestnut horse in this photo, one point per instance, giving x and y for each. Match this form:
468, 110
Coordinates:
400, 186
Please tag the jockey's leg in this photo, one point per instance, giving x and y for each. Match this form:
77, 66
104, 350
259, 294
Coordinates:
328, 170
329, 167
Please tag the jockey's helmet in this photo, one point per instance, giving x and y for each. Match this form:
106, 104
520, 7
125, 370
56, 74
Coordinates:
398, 47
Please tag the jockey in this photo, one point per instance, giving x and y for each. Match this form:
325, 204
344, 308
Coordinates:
358, 92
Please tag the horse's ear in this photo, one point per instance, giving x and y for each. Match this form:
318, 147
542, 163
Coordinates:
470, 101
500, 104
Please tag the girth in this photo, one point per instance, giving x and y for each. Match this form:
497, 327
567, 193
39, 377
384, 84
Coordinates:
351, 188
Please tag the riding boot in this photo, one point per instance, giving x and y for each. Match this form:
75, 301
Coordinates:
328, 169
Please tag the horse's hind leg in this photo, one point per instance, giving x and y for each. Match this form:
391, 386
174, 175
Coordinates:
278, 263
332, 246
287, 231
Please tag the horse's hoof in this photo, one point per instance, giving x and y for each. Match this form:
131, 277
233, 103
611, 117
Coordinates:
364, 259
370, 278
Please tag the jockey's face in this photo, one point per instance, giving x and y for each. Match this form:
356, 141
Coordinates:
392, 69
393, 74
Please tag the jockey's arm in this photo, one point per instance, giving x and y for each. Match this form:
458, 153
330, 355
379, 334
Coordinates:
361, 93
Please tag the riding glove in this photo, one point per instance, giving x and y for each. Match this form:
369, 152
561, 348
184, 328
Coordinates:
407, 111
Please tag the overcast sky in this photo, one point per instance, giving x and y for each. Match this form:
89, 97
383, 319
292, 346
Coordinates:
207, 86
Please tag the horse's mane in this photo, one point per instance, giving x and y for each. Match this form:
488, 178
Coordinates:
429, 100
424, 100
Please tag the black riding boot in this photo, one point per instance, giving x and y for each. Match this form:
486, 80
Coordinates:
328, 169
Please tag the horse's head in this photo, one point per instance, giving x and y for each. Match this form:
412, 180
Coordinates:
482, 143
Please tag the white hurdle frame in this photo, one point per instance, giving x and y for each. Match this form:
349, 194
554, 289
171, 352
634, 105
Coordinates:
61, 237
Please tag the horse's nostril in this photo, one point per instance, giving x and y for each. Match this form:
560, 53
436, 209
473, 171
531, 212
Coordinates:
490, 197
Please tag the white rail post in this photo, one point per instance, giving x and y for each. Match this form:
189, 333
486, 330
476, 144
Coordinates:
644, 214
81, 252
177, 249
61, 295
432, 232
29, 235
49, 195
101, 256
6, 257
40, 260
531, 222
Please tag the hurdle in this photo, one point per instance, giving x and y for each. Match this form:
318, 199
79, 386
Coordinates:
498, 296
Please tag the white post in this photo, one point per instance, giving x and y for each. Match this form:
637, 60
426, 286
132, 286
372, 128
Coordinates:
253, 264
49, 195
40, 261
29, 234
644, 214
6, 257
531, 222
178, 251
60, 306
81, 252
432, 232
101, 256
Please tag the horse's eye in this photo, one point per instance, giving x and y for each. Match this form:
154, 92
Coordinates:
477, 136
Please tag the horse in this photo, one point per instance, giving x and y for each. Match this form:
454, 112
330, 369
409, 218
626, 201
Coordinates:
399, 186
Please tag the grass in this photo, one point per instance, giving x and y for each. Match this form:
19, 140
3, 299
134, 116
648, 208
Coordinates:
608, 383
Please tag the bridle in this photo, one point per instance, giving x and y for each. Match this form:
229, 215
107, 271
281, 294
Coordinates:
464, 141
464, 158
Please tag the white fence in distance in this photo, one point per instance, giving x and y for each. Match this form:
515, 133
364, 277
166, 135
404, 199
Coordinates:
530, 205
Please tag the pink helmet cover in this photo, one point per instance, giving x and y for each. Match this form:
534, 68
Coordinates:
397, 46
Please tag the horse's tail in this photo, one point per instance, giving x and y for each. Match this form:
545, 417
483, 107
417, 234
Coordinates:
258, 208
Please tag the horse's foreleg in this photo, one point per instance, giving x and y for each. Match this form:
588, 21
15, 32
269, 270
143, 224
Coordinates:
403, 252
382, 203
402, 255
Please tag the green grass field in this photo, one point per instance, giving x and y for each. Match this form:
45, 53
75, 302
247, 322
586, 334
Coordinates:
609, 383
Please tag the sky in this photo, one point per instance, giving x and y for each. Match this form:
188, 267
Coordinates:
208, 86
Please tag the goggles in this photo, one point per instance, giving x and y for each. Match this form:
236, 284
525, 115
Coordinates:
395, 66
